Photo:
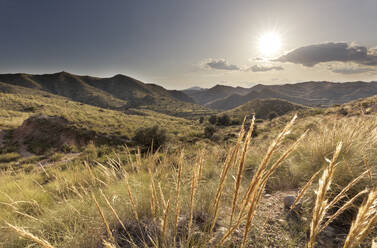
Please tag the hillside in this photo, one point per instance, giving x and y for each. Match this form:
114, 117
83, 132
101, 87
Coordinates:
306, 93
118, 92
263, 108
204, 96
16, 108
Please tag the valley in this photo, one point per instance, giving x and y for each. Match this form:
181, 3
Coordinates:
115, 167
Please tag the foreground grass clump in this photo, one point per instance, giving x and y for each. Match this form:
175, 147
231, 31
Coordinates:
192, 197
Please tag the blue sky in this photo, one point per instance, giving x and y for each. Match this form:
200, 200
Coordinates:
181, 43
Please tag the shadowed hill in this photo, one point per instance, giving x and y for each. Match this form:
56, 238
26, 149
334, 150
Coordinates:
307, 93
118, 92
263, 108
204, 96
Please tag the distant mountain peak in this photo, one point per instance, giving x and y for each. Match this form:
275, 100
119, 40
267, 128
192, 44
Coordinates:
194, 88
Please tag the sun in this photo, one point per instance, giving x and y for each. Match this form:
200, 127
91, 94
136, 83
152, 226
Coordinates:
269, 44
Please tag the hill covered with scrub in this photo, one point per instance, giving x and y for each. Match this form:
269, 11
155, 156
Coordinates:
119, 92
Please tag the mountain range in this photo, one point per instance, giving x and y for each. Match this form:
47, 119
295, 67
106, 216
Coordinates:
118, 92
121, 92
319, 94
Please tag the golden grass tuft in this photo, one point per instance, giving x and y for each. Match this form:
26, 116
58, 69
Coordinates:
366, 218
321, 205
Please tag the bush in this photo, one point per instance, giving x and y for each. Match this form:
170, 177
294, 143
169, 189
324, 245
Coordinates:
212, 119
201, 119
343, 111
236, 122
224, 120
209, 131
145, 137
272, 115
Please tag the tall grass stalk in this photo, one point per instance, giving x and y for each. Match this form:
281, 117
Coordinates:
133, 205
22, 232
321, 205
366, 218
108, 230
241, 167
193, 187
231, 156
258, 182
177, 196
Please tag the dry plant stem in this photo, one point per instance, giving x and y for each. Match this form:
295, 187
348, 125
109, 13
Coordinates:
270, 171
177, 206
201, 161
113, 210
228, 162
261, 181
165, 223
131, 198
256, 186
345, 189
374, 243
153, 208
231, 156
22, 232
162, 196
342, 209
263, 165
108, 230
241, 169
193, 182
321, 206
153, 192
366, 218
305, 188
367, 166
90, 172
108, 244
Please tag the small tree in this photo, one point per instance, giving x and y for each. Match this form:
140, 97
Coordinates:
272, 115
212, 119
201, 119
145, 137
224, 120
209, 131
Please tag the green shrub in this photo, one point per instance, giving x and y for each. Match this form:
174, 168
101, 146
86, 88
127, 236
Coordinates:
69, 148
201, 119
209, 131
145, 137
223, 120
212, 119
272, 115
236, 122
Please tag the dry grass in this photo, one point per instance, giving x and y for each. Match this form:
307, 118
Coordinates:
22, 232
365, 220
169, 186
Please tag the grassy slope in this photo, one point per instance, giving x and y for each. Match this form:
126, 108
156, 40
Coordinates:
15, 108
262, 107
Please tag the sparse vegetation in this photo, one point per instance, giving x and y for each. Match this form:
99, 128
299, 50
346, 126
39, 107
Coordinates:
211, 192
